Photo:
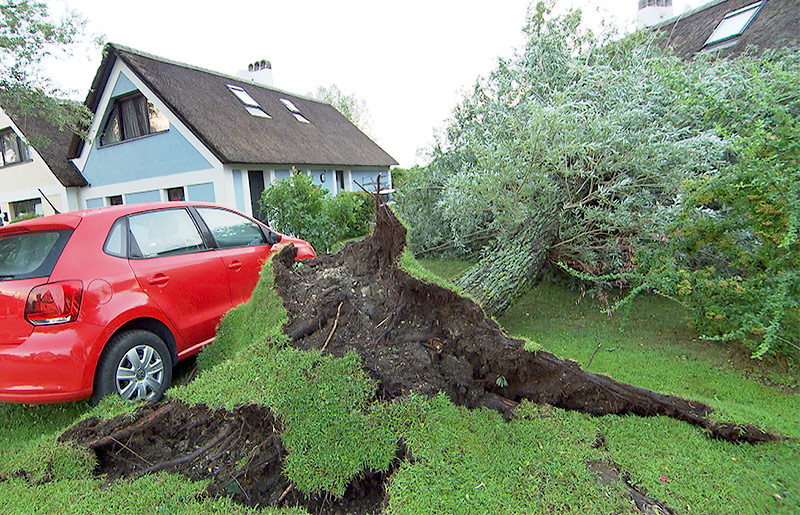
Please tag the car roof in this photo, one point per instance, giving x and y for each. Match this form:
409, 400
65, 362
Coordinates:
72, 219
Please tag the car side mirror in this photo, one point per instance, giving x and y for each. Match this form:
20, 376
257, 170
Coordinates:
273, 238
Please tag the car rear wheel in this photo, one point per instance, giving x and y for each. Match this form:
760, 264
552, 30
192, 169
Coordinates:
136, 365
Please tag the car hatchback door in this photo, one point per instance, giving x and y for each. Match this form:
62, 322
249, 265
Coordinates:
26, 260
184, 278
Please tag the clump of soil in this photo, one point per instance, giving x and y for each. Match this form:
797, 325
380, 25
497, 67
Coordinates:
240, 451
419, 337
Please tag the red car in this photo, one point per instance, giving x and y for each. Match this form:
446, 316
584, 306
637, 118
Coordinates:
109, 299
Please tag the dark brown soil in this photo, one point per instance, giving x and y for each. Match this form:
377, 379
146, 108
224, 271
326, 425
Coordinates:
412, 336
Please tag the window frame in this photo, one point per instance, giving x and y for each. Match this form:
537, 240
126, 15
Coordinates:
23, 150
289, 105
712, 41
116, 111
31, 202
250, 104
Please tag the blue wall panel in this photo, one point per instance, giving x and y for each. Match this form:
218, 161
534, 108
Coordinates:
152, 156
94, 202
238, 189
143, 196
316, 177
123, 86
200, 192
282, 174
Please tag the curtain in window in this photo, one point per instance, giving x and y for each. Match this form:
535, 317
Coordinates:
134, 117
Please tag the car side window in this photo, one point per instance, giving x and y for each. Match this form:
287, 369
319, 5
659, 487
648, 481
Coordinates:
116, 242
230, 229
164, 232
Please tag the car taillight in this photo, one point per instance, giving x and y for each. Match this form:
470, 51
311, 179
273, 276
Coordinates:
54, 303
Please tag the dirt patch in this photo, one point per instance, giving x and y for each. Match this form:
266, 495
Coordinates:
239, 451
609, 474
419, 337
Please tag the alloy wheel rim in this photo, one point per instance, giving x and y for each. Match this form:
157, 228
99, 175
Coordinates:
140, 374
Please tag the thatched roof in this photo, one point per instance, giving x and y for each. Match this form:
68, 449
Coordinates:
776, 25
202, 101
51, 143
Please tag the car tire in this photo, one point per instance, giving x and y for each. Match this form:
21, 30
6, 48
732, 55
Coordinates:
136, 365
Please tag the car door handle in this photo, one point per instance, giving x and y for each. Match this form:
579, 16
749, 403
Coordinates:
235, 266
158, 280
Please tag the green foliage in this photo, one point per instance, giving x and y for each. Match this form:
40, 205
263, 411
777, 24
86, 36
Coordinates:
28, 36
732, 253
574, 129
350, 214
297, 206
25, 216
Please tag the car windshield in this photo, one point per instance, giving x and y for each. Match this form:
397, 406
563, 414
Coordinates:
30, 254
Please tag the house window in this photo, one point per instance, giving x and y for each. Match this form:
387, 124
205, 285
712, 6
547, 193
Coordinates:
175, 194
33, 205
132, 117
12, 147
250, 104
294, 110
114, 200
734, 23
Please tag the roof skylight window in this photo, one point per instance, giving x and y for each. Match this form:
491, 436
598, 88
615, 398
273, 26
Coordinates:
734, 23
250, 104
294, 110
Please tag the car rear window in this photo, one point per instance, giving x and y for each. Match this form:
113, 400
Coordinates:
30, 254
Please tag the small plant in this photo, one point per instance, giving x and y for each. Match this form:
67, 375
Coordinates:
25, 216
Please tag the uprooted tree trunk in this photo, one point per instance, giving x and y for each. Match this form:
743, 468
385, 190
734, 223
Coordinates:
510, 268
419, 337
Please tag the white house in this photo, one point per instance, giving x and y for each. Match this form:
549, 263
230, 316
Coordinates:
33, 178
164, 130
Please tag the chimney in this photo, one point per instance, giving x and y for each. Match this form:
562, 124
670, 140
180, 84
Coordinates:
259, 72
653, 12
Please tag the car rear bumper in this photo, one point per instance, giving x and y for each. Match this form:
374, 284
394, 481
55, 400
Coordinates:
52, 365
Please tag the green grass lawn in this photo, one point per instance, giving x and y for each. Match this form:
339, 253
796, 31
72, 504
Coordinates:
464, 461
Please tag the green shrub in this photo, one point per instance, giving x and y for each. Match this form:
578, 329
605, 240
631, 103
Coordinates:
298, 207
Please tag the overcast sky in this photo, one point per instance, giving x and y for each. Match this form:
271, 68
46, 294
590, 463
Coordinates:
410, 60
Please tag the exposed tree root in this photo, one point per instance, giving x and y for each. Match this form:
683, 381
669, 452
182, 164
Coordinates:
416, 336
